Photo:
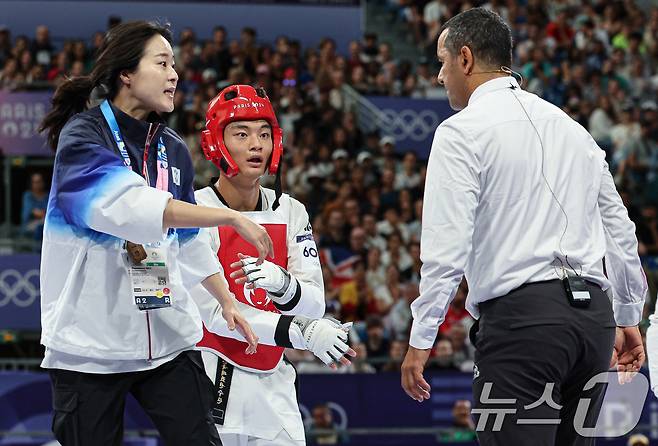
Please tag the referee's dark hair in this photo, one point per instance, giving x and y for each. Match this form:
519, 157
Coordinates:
484, 32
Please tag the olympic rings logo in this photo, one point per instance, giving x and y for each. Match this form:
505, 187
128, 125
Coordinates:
17, 288
338, 412
409, 124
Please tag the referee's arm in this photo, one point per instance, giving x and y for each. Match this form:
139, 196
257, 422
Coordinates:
623, 265
452, 191
626, 276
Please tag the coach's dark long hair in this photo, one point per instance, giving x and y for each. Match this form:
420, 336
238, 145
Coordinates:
121, 51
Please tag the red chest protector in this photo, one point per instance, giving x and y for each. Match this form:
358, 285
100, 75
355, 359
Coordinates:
267, 357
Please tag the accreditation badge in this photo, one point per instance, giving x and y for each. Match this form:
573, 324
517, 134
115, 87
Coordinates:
149, 279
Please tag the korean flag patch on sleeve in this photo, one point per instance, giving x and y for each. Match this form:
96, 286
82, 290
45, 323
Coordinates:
175, 175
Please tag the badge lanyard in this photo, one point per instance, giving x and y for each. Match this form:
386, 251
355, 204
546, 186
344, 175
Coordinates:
150, 280
162, 181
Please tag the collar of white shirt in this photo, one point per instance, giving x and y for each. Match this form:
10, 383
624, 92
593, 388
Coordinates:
493, 85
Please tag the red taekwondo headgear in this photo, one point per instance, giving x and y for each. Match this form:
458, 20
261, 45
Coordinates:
238, 103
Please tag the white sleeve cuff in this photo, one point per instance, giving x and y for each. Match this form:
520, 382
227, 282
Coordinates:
422, 336
628, 314
137, 216
307, 301
159, 203
296, 337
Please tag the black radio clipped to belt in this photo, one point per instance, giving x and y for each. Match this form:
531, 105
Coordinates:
577, 291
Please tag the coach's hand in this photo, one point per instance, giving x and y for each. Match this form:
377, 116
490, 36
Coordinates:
628, 354
235, 320
412, 374
256, 235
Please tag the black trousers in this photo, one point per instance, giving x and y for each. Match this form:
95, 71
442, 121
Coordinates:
177, 396
527, 340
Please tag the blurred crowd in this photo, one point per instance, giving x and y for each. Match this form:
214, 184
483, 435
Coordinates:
596, 59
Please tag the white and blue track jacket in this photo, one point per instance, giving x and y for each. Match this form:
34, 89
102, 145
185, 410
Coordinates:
95, 204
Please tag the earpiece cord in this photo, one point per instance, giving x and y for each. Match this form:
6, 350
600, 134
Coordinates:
566, 217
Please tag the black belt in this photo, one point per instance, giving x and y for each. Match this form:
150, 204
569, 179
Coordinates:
223, 377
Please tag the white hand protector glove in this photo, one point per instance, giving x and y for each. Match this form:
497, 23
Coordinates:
325, 338
271, 277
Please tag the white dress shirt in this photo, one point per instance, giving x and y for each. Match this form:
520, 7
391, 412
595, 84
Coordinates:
488, 214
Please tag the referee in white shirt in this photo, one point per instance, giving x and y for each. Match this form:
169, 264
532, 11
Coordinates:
519, 199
